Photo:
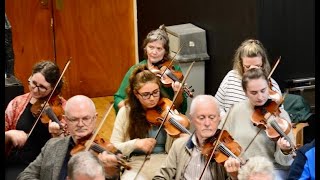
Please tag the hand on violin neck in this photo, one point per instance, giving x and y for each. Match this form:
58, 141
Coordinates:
284, 145
108, 159
177, 87
54, 129
232, 166
111, 165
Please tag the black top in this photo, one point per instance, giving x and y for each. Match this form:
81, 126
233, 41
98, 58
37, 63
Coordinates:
39, 136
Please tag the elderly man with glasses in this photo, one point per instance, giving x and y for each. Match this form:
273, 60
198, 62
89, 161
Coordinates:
51, 163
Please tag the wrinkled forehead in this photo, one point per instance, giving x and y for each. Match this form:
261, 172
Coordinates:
206, 108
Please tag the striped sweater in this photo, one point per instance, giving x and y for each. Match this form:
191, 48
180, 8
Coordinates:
230, 91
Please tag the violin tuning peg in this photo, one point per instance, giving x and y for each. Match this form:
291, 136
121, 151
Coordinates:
190, 87
192, 90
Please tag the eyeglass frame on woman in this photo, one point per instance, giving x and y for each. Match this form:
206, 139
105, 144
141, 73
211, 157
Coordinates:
147, 95
85, 120
40, 87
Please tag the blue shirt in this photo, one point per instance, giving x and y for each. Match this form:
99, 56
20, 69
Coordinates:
303, 166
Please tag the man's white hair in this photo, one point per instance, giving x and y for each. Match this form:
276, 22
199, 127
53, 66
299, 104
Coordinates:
256, 165
85, 163
201, 99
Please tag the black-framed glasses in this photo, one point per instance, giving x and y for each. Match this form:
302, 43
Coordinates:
34, 84
85, 120
147, 95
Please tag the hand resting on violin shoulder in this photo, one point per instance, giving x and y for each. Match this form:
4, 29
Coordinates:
17, 137
146, 144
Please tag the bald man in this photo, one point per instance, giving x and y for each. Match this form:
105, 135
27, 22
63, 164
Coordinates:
51, 163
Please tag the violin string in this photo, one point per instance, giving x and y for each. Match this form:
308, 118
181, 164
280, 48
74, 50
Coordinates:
277, 127
179, 126
97, 148
173, 121
227, 151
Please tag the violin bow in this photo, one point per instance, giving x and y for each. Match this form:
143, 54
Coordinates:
46, 102
274, 67
162, 123
216, 145
90, 141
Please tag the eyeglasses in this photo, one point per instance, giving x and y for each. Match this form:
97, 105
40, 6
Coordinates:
147, 95
85, 120
40, 87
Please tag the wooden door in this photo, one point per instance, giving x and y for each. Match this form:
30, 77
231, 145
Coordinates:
32, 36
98, 35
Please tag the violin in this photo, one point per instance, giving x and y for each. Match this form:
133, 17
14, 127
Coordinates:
53, 111
226, 148
99, 145
169, 75
267, 118
175, 123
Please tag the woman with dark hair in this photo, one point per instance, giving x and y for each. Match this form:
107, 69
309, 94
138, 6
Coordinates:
21, 146
132, 134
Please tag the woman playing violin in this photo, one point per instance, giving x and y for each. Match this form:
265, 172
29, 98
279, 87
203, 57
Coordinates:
156, 50
240, 124
132, 134
250, 54
185, 159
19, 119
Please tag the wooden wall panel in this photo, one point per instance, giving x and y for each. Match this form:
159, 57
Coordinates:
99, 36
31, 35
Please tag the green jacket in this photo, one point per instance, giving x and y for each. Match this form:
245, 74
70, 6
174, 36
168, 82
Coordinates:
167, 92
